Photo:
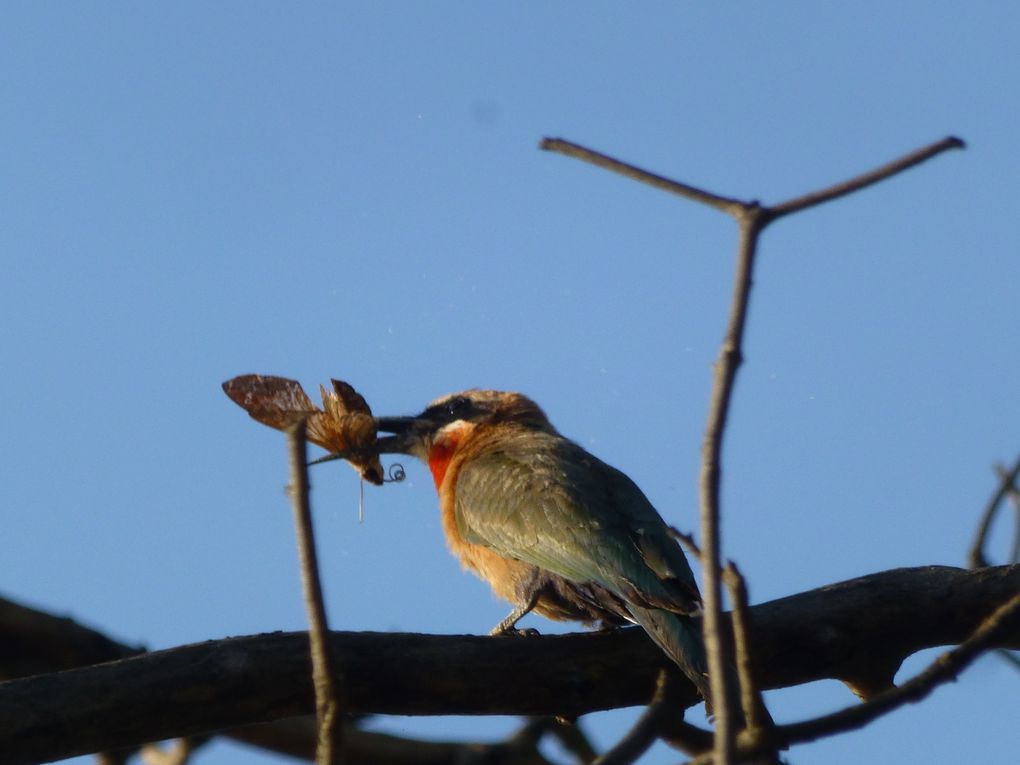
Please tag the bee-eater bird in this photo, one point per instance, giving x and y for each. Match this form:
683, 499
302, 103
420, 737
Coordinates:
549, 526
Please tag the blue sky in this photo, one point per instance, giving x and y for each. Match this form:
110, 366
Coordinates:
193, 191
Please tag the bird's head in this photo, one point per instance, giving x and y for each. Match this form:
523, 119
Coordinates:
450, 419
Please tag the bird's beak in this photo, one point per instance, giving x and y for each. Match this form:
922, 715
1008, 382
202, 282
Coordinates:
405, 431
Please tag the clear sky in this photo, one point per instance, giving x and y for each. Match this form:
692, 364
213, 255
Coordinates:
192, 191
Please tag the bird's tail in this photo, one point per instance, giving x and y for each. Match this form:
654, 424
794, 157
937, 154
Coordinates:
680, 639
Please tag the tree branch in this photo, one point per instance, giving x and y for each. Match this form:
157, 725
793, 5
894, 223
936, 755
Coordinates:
750, 694
731, 356
867, 179
326, 676
752, 219
645, 731
832, 632
1007, 484
570, 149
1005, 620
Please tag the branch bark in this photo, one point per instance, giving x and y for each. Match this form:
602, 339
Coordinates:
326, 677
843, 631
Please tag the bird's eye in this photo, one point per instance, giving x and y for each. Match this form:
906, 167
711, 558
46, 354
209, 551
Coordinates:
457, 406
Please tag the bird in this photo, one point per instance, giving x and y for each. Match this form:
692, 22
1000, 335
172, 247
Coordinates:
552, 528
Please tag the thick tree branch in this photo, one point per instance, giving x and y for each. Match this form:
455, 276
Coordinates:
1005, 620
33, 642
838, 631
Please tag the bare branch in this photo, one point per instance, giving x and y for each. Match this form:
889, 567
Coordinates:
325, 674
1013, 495
34, 642
573, 739
687, 540
645, 731
977, 557
867, 179
752, 219
689, 739
1007, 483
750, 693
731, 206
805, 637
729, 361
1003, 621
1014, 499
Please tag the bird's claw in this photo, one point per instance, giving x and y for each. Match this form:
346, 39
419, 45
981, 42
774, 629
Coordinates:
515, 631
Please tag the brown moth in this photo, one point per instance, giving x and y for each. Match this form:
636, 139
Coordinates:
344, 423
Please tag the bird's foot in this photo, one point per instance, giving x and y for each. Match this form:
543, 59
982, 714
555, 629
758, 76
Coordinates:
512, 630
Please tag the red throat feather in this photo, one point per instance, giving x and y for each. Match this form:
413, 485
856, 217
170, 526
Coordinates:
440, 455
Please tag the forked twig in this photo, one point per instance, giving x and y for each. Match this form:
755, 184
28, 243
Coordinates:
327, 707
1007, 483
1002, 621
1014, 500
976, 558
752, 219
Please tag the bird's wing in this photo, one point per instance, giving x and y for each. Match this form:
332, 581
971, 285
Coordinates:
559, 508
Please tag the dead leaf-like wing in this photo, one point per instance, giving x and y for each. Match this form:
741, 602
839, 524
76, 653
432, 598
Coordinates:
353, 401
273, 401
344, 423
352, 427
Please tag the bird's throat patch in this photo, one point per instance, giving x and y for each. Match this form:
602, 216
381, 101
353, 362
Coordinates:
442, 450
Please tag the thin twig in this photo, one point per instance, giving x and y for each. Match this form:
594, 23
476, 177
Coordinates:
729, 361
687, 540
947, 666
867, 179
976, 557
574, 740
521, 747
1013, 494
645, 731
750, 694
328, 748
727, 205
689, 739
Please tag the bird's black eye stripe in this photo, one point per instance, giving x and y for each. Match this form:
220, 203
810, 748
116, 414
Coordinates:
456, 408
